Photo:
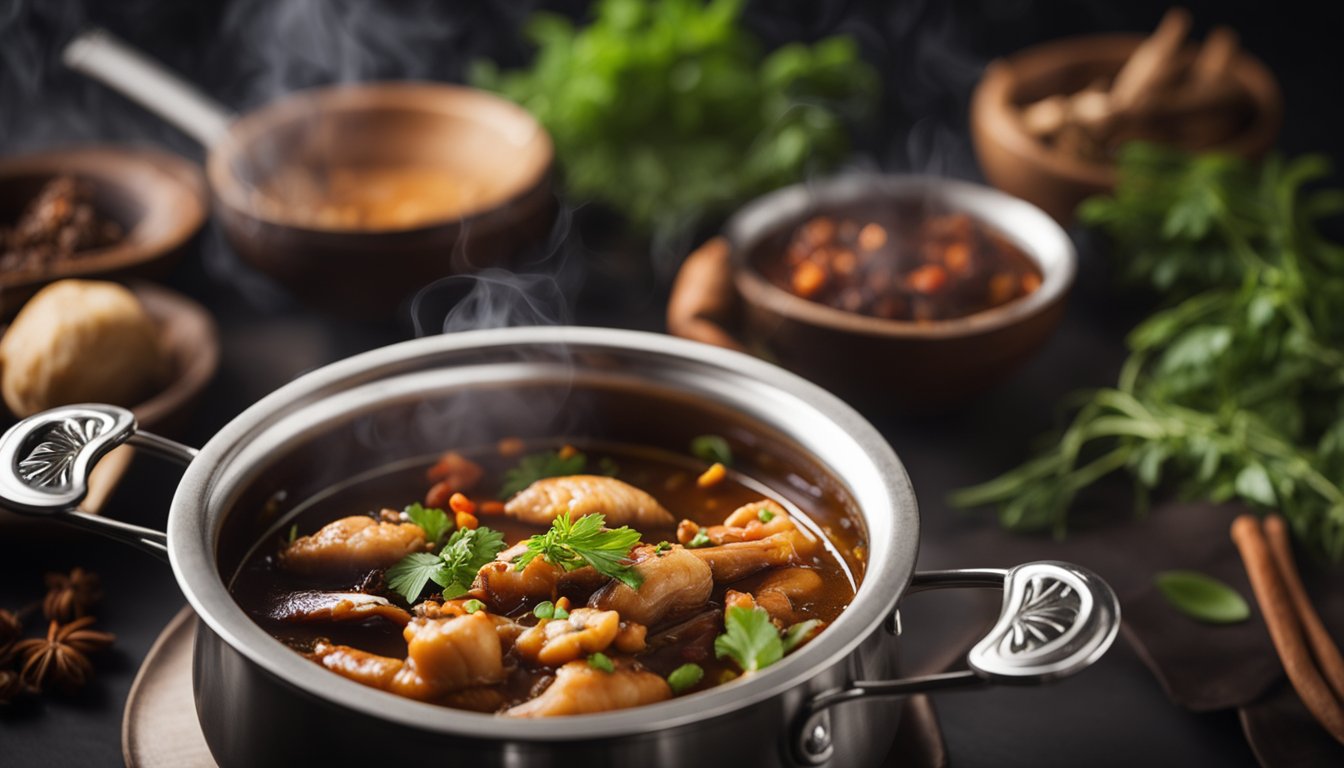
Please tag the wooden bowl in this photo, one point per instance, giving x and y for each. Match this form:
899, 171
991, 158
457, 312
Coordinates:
1016, 162
191, 344
493, 142
722, 297
159, 200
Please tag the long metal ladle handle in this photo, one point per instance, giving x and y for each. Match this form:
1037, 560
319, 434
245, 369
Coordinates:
45, 461
100, 55
1057, 618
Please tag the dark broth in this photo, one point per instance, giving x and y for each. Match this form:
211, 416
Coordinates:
906, 260
669, 477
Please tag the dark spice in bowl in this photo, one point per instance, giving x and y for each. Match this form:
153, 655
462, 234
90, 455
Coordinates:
60, 223
903, 261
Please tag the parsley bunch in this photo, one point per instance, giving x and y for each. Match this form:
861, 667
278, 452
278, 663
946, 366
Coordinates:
453, 568
667, 110
572, 544
1236, 389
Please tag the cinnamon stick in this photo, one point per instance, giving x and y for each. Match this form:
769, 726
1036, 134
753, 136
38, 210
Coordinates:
1284, 628
1153, 64
1323, 646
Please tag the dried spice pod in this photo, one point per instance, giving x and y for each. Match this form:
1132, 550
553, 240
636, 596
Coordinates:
70, 596
11, 629
61, 660
11, 686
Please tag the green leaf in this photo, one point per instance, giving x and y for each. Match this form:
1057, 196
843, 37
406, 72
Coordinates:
1202, 597
1253, 484
539, 466
473, 605
409, 576
750, 640
797, 634
712, 449
435, 522
466, 552
685, 677
600, 661
765, 515
572, 544
544, 610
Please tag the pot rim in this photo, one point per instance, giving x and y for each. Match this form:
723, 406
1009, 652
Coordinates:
194, 564
1027, 226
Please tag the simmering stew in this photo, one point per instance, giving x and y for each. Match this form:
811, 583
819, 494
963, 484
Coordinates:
558, 582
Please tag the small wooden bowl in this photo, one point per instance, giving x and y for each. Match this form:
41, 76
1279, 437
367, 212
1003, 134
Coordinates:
722, 297
159, 200
1016, 162
191, 343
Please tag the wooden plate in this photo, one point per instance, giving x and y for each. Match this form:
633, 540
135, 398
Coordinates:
159, 199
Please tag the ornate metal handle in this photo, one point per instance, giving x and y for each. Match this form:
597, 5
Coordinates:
1056, 620
45, 461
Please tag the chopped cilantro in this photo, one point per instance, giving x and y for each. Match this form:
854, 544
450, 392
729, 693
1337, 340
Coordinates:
713, 449
600, 661
750, 640
539, 466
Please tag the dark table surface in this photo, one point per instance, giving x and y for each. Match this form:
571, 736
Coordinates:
929, 54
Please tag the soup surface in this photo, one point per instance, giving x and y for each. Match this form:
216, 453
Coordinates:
537, 583
367, 197
904, 261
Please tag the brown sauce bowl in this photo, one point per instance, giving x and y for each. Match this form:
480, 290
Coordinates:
721, 297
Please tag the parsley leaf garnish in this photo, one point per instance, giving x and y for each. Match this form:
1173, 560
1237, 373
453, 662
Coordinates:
410, 575
700, 539
797, 634
602, 662
539, 466
750, 640
473, 605
453, 568
684, 677
713, 449
572, 544
548, 610
435, 522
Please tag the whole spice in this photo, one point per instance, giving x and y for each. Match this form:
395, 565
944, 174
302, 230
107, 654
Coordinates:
11, 686
1285, 629
1322, 646
70, 596
11, 628
61, 659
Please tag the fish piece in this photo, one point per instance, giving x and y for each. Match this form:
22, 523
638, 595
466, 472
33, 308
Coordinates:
313, 606
443, 655
674, 581
579, 495
553, 642
737, 560
351, 544
579, 689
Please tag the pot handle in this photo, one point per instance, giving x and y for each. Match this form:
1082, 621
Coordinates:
103, 57
1057, 618
45, 461
703, 305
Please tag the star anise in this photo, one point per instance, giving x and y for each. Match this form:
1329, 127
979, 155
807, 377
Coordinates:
61, 659
11, 686
70, 596
11, 628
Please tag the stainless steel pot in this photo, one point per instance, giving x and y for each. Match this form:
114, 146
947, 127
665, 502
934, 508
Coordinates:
834, 702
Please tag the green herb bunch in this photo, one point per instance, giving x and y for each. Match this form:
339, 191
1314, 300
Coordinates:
667, 110
1236, 389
